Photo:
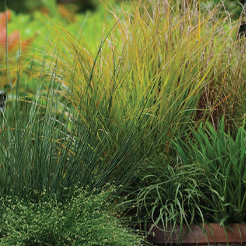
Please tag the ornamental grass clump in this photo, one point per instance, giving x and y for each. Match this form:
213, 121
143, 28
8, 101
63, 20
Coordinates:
40, 149
158, 68
221, 159
204, 183
174, 65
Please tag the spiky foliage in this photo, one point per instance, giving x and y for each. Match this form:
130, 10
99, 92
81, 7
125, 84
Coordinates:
221, 157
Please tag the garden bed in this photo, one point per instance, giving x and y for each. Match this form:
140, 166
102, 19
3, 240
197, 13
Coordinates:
144, 102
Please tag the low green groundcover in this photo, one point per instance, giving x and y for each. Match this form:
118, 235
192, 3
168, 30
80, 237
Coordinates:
83, 220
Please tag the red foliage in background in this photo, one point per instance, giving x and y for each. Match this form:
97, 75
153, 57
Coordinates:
13, 38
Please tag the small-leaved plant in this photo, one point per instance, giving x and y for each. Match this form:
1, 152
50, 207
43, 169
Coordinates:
83, 220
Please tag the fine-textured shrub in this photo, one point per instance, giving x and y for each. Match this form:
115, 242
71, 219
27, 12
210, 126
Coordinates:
84, 220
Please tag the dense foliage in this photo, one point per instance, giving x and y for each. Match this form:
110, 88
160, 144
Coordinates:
149, 97
84, 220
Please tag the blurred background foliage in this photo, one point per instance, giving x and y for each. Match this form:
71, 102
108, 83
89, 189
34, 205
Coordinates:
235, 7
30, 24
46, 5
28, 6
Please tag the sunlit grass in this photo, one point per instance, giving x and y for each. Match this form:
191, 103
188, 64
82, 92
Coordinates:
158, 68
